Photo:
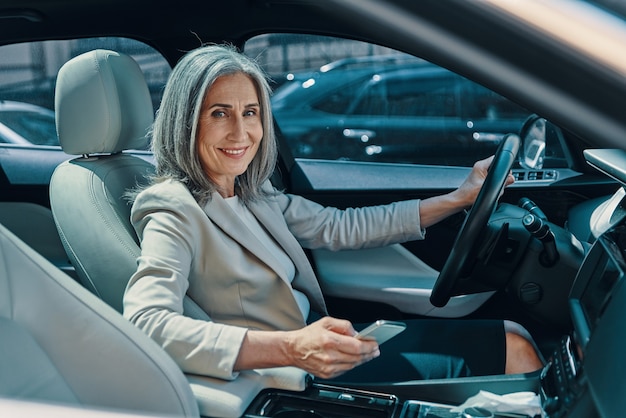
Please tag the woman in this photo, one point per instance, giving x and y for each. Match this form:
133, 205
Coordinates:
212, 227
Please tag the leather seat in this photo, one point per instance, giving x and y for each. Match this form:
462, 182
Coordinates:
62, 344
103, 108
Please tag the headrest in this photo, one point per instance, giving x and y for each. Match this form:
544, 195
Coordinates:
102, 104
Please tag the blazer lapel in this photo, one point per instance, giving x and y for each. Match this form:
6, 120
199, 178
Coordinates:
305, 281
224, 217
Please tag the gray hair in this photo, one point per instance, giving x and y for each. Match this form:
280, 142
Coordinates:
174, 133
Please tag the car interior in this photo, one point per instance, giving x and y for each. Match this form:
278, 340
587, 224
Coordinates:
548, 251
89, 189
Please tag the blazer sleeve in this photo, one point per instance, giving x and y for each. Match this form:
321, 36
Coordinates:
317, 226
167, 223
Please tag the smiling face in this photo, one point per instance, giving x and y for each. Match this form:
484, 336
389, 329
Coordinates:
229, 130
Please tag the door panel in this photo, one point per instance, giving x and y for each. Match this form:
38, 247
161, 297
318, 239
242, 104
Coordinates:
401, 276
390, 275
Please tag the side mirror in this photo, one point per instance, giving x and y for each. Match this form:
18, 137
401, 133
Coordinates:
533, 150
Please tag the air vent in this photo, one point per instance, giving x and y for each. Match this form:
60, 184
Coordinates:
534, 175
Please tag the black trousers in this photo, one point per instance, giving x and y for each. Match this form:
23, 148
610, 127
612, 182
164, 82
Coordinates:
435, 349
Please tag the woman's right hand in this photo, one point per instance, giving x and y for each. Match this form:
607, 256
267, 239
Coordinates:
327, 348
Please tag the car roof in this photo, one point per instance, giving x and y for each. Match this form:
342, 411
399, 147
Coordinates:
172, 27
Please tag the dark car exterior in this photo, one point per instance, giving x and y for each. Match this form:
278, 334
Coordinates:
26, 124
413, 113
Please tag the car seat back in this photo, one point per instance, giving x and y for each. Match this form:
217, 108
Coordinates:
59, 343
103, 108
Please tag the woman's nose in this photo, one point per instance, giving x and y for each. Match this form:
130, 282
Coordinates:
238, 129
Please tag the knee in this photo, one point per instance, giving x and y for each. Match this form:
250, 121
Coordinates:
521, 356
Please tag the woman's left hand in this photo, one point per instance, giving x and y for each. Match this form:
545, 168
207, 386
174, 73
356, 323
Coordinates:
470, 187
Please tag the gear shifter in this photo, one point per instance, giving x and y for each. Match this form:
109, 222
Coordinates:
541, 230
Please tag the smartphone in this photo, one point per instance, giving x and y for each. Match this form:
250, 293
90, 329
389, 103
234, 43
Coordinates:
381, 330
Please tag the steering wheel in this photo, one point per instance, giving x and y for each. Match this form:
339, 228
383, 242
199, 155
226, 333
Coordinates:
464, 248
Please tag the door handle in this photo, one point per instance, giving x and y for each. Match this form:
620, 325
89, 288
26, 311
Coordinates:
494, 137
364, 135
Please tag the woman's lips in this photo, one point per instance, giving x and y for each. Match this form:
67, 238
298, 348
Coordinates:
234, 152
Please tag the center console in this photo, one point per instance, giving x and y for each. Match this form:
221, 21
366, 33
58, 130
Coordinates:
560, 386
324, 401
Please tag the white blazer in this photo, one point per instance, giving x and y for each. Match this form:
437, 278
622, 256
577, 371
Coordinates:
210, 255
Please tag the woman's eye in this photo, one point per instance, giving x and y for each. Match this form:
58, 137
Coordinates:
218, 114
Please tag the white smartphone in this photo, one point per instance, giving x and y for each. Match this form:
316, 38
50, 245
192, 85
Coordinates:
381, 330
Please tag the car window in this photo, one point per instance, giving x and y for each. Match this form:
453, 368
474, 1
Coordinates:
338, 101
483, 103
347, 100
27, 79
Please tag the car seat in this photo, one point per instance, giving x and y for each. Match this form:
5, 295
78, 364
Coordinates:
61, 344
103, 108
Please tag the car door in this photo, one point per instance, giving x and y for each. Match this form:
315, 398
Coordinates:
418, 117
317, 118
434, 116
396, 280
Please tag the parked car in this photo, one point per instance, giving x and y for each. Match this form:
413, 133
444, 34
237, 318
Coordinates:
386, 111
548, 254
27, 124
